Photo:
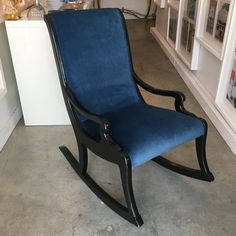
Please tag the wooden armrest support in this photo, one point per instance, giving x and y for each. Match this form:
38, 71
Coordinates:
178, 96
101, 121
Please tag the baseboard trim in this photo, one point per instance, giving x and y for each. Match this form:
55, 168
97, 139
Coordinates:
5, 133
200, 93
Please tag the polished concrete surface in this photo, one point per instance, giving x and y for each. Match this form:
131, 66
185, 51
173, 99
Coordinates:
41, 195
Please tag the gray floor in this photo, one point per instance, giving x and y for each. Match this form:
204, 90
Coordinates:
41, 195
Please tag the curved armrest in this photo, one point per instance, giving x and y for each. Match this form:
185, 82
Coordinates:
179, 97
101, 121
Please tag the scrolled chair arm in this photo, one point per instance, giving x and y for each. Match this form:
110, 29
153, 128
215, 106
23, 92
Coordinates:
101, 121
178, 96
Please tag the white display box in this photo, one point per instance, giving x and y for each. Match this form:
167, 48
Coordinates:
36, 73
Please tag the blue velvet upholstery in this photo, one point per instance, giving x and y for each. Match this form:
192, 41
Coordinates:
145, 131
96, 59
98, 69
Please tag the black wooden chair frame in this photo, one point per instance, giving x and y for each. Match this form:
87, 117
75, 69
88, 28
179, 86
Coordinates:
110, 151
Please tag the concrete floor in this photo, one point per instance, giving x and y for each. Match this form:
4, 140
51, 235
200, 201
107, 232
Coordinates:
41, 195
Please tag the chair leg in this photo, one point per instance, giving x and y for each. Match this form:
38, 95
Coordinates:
83, 159
130, 213
201, 156
202, 174
72, 160
126, 179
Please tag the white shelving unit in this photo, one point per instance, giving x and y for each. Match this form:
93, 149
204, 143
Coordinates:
194, 17
206, 68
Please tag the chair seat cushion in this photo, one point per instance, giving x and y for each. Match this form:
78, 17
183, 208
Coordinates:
146, 132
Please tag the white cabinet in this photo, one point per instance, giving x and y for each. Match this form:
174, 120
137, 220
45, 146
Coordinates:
36, 73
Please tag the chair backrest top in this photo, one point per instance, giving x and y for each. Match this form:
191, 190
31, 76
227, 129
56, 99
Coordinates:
95, 55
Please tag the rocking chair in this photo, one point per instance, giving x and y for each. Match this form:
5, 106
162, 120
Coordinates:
108, 114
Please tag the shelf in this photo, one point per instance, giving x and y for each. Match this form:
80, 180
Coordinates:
174, 4
171, 43
160, 3
185, 56
211, 44
190, 8
190, 20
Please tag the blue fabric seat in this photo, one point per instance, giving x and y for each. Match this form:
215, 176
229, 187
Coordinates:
145, 131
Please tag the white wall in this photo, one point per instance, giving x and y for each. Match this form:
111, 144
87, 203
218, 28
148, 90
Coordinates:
136, 5
10, 110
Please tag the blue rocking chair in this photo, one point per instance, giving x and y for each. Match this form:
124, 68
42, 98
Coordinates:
108, 114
